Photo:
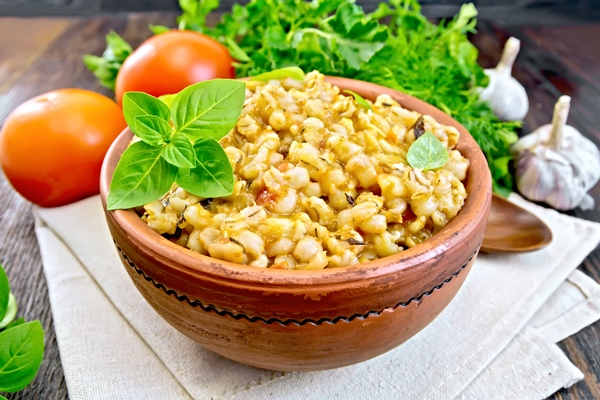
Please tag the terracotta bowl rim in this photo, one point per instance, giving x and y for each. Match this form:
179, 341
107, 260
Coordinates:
478, 177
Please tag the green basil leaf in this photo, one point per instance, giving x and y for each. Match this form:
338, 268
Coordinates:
167, 99
151, 129
16, 322
278, 74
4, 292
208, 109
158, 29
21, 353
212, 176
180, 152
11, 312
141, 177
137, 104
2, 397
427, 152
359, 99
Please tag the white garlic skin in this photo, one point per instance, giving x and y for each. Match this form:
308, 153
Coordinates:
557, 169
506, 96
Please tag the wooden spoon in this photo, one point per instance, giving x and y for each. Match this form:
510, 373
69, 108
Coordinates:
511, 229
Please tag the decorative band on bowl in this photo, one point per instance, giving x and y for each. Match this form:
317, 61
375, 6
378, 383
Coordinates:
235, 315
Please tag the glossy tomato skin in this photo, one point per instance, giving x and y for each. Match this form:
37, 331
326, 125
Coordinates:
169, 62
52, 146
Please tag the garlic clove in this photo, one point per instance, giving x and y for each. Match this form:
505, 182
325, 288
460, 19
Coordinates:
587, 203
506, 96
556, 164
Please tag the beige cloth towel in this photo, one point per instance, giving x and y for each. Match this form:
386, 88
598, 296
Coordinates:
494, 341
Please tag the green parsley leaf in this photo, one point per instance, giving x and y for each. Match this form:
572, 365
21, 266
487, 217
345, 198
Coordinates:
310, 53
180, 152
21, 353
141, 176
359, 99
4, 292
11, 312
427, 152
357, 53
395, 46
195, 12
106, 67
213, 175
151, 129
209, 108
282, 73
236, 51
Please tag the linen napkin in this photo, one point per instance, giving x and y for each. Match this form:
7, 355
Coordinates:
494, 341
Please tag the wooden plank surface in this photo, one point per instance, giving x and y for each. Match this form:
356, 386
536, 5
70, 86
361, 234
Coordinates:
553, 61
57, 64
14, 60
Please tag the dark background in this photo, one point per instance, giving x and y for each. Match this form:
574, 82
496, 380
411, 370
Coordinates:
538, 12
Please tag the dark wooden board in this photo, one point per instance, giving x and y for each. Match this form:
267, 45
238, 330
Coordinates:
553, 61
524, 11
58, 64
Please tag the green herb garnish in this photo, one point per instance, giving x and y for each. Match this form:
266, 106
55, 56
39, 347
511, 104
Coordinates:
107, 67
359, 99
427, 152
159, 29
281, 73
208, 109
395, 46
10, 312
21, 343
4, 293
167, 99
179, 143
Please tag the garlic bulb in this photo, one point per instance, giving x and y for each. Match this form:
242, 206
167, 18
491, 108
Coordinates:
507, 97
556, 164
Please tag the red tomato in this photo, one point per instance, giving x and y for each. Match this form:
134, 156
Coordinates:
52, 146
170, 62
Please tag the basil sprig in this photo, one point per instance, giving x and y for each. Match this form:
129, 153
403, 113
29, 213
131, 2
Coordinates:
21, 343
427, 152
179, 143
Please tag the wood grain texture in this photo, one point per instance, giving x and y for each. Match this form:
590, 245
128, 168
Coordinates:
553, 61
15, 58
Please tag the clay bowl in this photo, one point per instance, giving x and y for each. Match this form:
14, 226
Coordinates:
306, 320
